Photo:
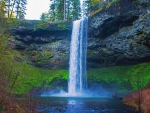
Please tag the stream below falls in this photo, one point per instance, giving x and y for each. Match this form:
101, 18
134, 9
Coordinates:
82, 105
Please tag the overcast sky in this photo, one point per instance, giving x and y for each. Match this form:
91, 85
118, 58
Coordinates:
35, 8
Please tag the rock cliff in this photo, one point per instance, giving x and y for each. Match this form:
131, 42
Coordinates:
119, 34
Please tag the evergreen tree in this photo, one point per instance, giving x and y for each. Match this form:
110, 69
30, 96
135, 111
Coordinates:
71, 10
14, 7
43, 17
20, 8
51, 12
64, 10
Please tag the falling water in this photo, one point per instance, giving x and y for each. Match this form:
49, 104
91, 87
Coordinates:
77, 82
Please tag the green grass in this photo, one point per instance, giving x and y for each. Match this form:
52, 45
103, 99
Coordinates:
33, 77
132, 75
30, 76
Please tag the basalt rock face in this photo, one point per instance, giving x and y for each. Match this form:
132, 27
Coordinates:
118, 34
45, 45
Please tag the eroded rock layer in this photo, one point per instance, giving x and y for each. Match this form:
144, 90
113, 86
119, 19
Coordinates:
119, 34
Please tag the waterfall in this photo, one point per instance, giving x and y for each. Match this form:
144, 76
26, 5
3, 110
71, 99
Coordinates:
77, 82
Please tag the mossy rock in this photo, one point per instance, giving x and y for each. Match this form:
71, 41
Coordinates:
47, 54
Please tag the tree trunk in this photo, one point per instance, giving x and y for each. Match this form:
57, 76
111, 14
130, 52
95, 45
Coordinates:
18, 10
12, 8
8, 8
64, 9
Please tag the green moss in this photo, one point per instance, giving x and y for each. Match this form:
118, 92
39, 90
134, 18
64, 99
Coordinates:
108, 5
13, 22
141, 36
91, 53
47, 54
33, 77
42, 25
29, 77
62, 54
19, 58
30, 53
147, 15
131, 75
40, 57
100, 9
61, 25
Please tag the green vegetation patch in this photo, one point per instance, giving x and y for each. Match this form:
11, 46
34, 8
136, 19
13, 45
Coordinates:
32, 77
136, 76
104, 6
42, 25
28, 76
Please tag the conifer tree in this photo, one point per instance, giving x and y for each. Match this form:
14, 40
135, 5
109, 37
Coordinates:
20, 8
14, 7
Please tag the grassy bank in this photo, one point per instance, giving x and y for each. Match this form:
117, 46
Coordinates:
136, 76
30, 76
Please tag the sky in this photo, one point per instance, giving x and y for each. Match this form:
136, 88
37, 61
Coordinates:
35, 8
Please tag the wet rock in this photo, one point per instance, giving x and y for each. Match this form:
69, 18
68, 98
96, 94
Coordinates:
119, 38
143, 2
118, 35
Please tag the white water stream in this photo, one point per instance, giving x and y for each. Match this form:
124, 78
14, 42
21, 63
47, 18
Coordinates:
77, 82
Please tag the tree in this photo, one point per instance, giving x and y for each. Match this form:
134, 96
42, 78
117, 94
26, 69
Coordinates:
63, 10
14, 7
59, 9
2, 9
51, 12
20, 8
71, 10
9, 73
43, 16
